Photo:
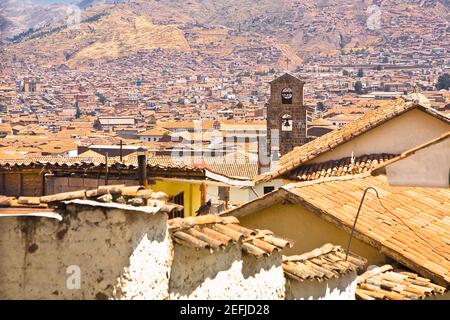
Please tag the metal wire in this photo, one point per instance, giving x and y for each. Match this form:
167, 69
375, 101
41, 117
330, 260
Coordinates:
434, 249
356, 219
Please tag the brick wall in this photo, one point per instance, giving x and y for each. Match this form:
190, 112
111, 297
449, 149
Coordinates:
276, 109
56, 184
20, 183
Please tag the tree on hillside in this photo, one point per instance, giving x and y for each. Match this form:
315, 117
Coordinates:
358, 87
443, 82
360, 73
320, 106
77, 112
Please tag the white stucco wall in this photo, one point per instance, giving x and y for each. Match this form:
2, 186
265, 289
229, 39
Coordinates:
120, 254
404, 132
342, 288
263, 278
224, 274
259, 187
239, 195
428, 167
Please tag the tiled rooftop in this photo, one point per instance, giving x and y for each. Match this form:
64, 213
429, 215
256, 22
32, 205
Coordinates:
136, 196
414, 229
321, 264
214, 232
338, 168
329, 141
240, 168
385, 283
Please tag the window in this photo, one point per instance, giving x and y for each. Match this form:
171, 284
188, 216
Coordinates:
224, 193
178, 199
268, 189
286, 123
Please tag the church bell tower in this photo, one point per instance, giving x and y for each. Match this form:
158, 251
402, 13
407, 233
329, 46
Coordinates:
286, 115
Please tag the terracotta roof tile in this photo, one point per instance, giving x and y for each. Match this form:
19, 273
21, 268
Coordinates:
413, 229
387, 284
370, 120
119, 194
214, 232
321, 264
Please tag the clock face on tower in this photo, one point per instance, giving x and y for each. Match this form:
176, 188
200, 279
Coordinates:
286, 95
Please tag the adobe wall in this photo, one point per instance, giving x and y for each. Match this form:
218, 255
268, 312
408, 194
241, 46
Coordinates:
224, 274
428, 167
121, 254
342, 288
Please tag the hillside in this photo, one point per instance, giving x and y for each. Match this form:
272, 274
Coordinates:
311, 26
105, 32
17, 16
299, 28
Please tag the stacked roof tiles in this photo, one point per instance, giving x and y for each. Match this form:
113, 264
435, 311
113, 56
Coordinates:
81, 162
321, 264
214, 232
120, 194
341, 167
410, 224
384, 283
234, 168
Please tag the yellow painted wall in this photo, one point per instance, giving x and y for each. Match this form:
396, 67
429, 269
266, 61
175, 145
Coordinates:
308, 231
192, 195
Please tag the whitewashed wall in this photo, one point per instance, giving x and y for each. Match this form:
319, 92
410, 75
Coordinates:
121, 255
224, 274
342, 288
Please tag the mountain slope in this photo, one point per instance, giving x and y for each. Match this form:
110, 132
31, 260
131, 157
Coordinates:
105, 32
18, 16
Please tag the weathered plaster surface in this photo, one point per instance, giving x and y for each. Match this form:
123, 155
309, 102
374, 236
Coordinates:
342, 288
224, 274
121, 255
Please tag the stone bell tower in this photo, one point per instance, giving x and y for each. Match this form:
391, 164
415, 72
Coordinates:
286, 115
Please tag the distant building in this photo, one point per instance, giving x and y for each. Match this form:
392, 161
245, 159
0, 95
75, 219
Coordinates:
30, 85
153, 135
108, 123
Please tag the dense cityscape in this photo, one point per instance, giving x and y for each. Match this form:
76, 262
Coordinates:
217, 116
